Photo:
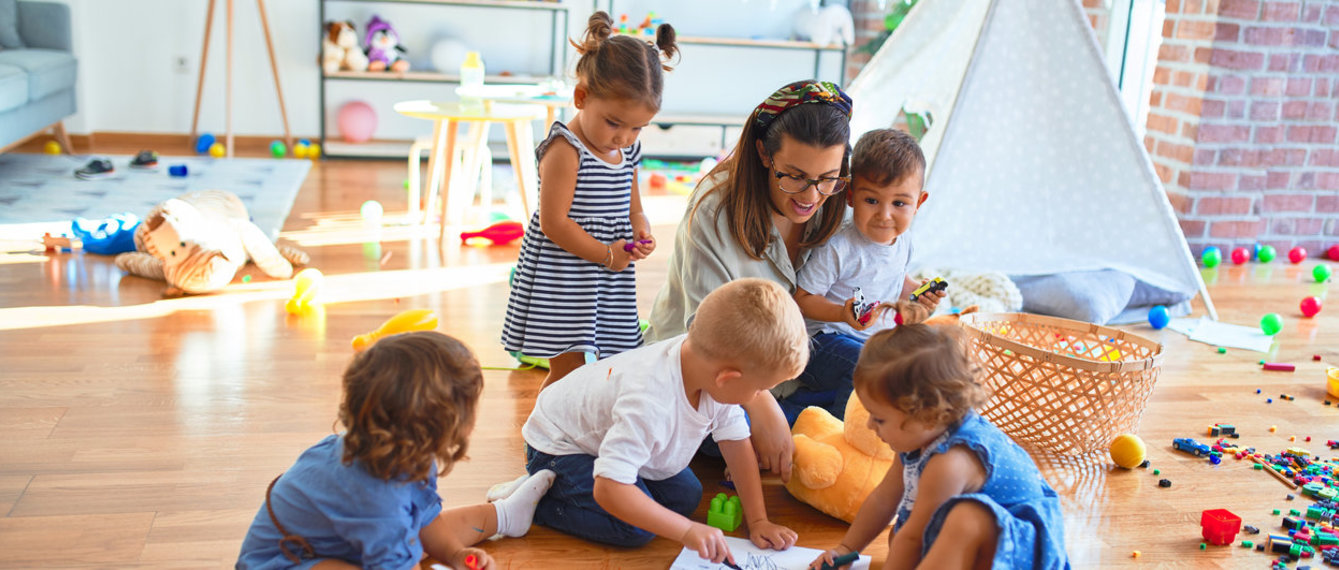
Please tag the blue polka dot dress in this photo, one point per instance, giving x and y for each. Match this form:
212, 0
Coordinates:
1026, 509
559, 302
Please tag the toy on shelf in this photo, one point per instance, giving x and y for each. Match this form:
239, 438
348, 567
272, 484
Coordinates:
1240, 256
725, 513
829, 25
1219, 526
340, 50
356, 120
383, 47
306, 285
500, 233
1128, 451
1309, 307
646, 28
407, 321
1211, 256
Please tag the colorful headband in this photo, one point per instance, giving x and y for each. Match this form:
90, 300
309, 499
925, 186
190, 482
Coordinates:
799, 93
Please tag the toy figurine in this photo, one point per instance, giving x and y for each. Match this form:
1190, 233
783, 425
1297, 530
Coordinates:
383, 47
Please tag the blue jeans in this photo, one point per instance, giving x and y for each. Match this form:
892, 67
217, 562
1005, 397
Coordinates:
570, 505
826, 380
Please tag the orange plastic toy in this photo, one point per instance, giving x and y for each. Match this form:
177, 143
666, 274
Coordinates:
501, 233
411, 320
306, 284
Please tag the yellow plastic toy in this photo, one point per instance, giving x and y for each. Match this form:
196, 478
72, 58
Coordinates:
411, 320
1332, 381
1128, 451
306, 284
217, 150
837, 464
51, 147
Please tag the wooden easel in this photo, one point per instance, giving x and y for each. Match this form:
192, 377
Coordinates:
204, 57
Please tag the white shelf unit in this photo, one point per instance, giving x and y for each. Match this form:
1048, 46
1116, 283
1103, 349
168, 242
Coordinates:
559, 21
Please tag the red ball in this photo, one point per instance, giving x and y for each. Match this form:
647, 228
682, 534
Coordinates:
1310, 306
1240, 255
1333, 253
1297, 254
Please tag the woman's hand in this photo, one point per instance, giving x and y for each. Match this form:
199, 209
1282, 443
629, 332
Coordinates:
771, 437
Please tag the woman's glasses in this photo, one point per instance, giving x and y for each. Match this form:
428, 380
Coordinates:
792, 184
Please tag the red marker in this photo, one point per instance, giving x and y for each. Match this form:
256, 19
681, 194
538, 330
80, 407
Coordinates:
1279, 366
472, 562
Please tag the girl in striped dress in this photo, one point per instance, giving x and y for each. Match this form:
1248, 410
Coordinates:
574, 289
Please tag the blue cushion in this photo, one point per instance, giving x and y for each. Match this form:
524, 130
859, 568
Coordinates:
13, 87
9, 25
49, 71
1090, 296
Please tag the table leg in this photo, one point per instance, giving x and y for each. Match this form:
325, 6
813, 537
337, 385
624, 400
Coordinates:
434, 170
467, 183
518, 137
447, 157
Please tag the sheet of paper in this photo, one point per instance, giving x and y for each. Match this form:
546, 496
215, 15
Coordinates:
750, 557
1185, 326
1231, 336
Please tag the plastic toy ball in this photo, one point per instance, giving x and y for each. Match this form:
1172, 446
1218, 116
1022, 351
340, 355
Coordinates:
217, 150
1321, 273
51, 147
357, 121
300, 150
278, 149
203, 143
1158, 317
1309, 306
1240, 256
314, 151
1128, 451
1297, 254
371, 211
1266, 254
1211, 257
1271, 324
1333, 253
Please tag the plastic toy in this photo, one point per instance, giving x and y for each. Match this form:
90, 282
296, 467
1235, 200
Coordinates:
217, 150
306, 285
314, 151
340, 49
109, 236
1128, 451
203, 143
1297, 254
1332, 381
371, 212
1191, 446
1266, 254
1158, 317
1211, 256
1240, 256
1279, 366
300, 150
657, 181
725, 513
863, 310
1321, 273
177, 171
1271, 324
383, 47
501, 233
357, 121
406, 321
1219, 526
1333, 253
472, 562
633, 244
936, 284
51, 147
1309, 307
278, 149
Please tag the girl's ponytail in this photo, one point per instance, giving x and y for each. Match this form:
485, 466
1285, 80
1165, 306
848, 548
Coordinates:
599, 27
666, 41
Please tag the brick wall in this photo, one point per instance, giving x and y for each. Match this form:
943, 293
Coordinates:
868, 26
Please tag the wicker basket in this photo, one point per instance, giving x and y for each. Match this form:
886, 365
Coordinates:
1059, 385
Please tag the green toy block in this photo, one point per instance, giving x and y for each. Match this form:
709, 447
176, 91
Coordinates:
725, 514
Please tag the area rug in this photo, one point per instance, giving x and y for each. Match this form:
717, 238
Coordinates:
41, 192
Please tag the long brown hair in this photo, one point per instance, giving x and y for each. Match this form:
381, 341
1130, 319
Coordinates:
619, 66
410, 400
747, 199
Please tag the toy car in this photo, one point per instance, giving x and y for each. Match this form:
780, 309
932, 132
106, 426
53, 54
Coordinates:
936, 284
1191, 446
863, 311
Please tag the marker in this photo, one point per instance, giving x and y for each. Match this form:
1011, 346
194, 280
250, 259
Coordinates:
842, 560
472, 562
730, 564
633, 245
1279, 366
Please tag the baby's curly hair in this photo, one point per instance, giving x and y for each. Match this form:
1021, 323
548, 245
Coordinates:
410, 400
921, 369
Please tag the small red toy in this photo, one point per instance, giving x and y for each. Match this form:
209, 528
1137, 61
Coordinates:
1310, 306
1240, 256
1297, 254
1219, 526
1333, 253
501, 233
658, 181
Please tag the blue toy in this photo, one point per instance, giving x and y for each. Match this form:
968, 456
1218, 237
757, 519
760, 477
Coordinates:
203, 143
177, 171
1158, 317
107, 237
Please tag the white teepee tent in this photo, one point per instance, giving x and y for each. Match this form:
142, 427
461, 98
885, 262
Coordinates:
1034, 165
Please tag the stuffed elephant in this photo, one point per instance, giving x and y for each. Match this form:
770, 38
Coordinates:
198, 241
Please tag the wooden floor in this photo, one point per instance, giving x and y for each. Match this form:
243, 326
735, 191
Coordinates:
141, 432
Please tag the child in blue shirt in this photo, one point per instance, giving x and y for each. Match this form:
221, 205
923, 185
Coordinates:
367, 498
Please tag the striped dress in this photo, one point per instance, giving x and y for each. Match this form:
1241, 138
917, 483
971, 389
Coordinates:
561, 303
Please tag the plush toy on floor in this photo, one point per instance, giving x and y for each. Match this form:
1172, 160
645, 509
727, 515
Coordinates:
198, 241
383, 47
339, 48
838, 463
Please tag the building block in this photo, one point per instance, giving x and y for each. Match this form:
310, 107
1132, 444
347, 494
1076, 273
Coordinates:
1219, 526
725, 513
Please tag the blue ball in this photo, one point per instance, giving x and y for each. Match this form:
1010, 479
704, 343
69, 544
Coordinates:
1158, 317
203, 143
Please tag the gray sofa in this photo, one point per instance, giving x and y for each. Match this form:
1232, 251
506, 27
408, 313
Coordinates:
37, 70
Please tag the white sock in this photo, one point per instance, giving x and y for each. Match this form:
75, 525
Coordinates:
515, 512
505, 489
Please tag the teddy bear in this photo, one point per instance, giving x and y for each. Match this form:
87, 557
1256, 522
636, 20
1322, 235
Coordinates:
825, 26
339, 48
383, 47
837, 464
198, 241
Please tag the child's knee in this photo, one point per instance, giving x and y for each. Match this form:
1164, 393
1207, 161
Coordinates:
630, 536
971, 519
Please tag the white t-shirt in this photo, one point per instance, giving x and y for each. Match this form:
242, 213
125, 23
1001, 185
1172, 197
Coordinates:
849, 260
630, 411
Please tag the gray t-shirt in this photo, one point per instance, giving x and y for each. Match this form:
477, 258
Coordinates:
849, 260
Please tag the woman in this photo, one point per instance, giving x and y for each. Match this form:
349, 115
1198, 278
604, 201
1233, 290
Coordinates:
756, 215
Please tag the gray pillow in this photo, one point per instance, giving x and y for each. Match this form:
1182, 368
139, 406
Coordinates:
1090, 296
9, 24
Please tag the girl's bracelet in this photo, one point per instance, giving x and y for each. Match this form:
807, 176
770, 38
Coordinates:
609, 257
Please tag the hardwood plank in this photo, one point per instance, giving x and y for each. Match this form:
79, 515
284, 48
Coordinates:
73, 540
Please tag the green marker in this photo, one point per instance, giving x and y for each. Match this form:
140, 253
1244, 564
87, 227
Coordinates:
842, 560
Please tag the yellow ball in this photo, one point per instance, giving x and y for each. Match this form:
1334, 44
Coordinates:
1128, 451
51, 147
217, 150
314, 151
300, 150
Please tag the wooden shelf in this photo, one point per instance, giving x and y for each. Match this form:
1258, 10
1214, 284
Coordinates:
425, 76
521, 4
747, 42
698, 119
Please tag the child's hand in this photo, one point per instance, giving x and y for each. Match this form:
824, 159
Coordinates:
848, 311
482, 561
621, 256
828, 557
645, 244
930, 299
708, 541
767, 534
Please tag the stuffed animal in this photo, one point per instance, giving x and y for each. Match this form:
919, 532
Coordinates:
826, 26
383, 47
198, 241
836, 463
339, 48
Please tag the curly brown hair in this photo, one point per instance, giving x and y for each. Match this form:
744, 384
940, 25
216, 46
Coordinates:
409, 401
619, 66
923, 370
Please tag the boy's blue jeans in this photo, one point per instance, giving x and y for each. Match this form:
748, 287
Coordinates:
570, 505
826, 380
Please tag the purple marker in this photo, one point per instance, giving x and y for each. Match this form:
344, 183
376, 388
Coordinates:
633, 245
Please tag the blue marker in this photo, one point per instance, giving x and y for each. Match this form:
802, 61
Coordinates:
842, 560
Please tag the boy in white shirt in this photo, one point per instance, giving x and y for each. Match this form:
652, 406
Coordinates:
620, 432
870, 252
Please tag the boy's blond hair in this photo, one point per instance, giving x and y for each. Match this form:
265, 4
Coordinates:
887, 156
752, 322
